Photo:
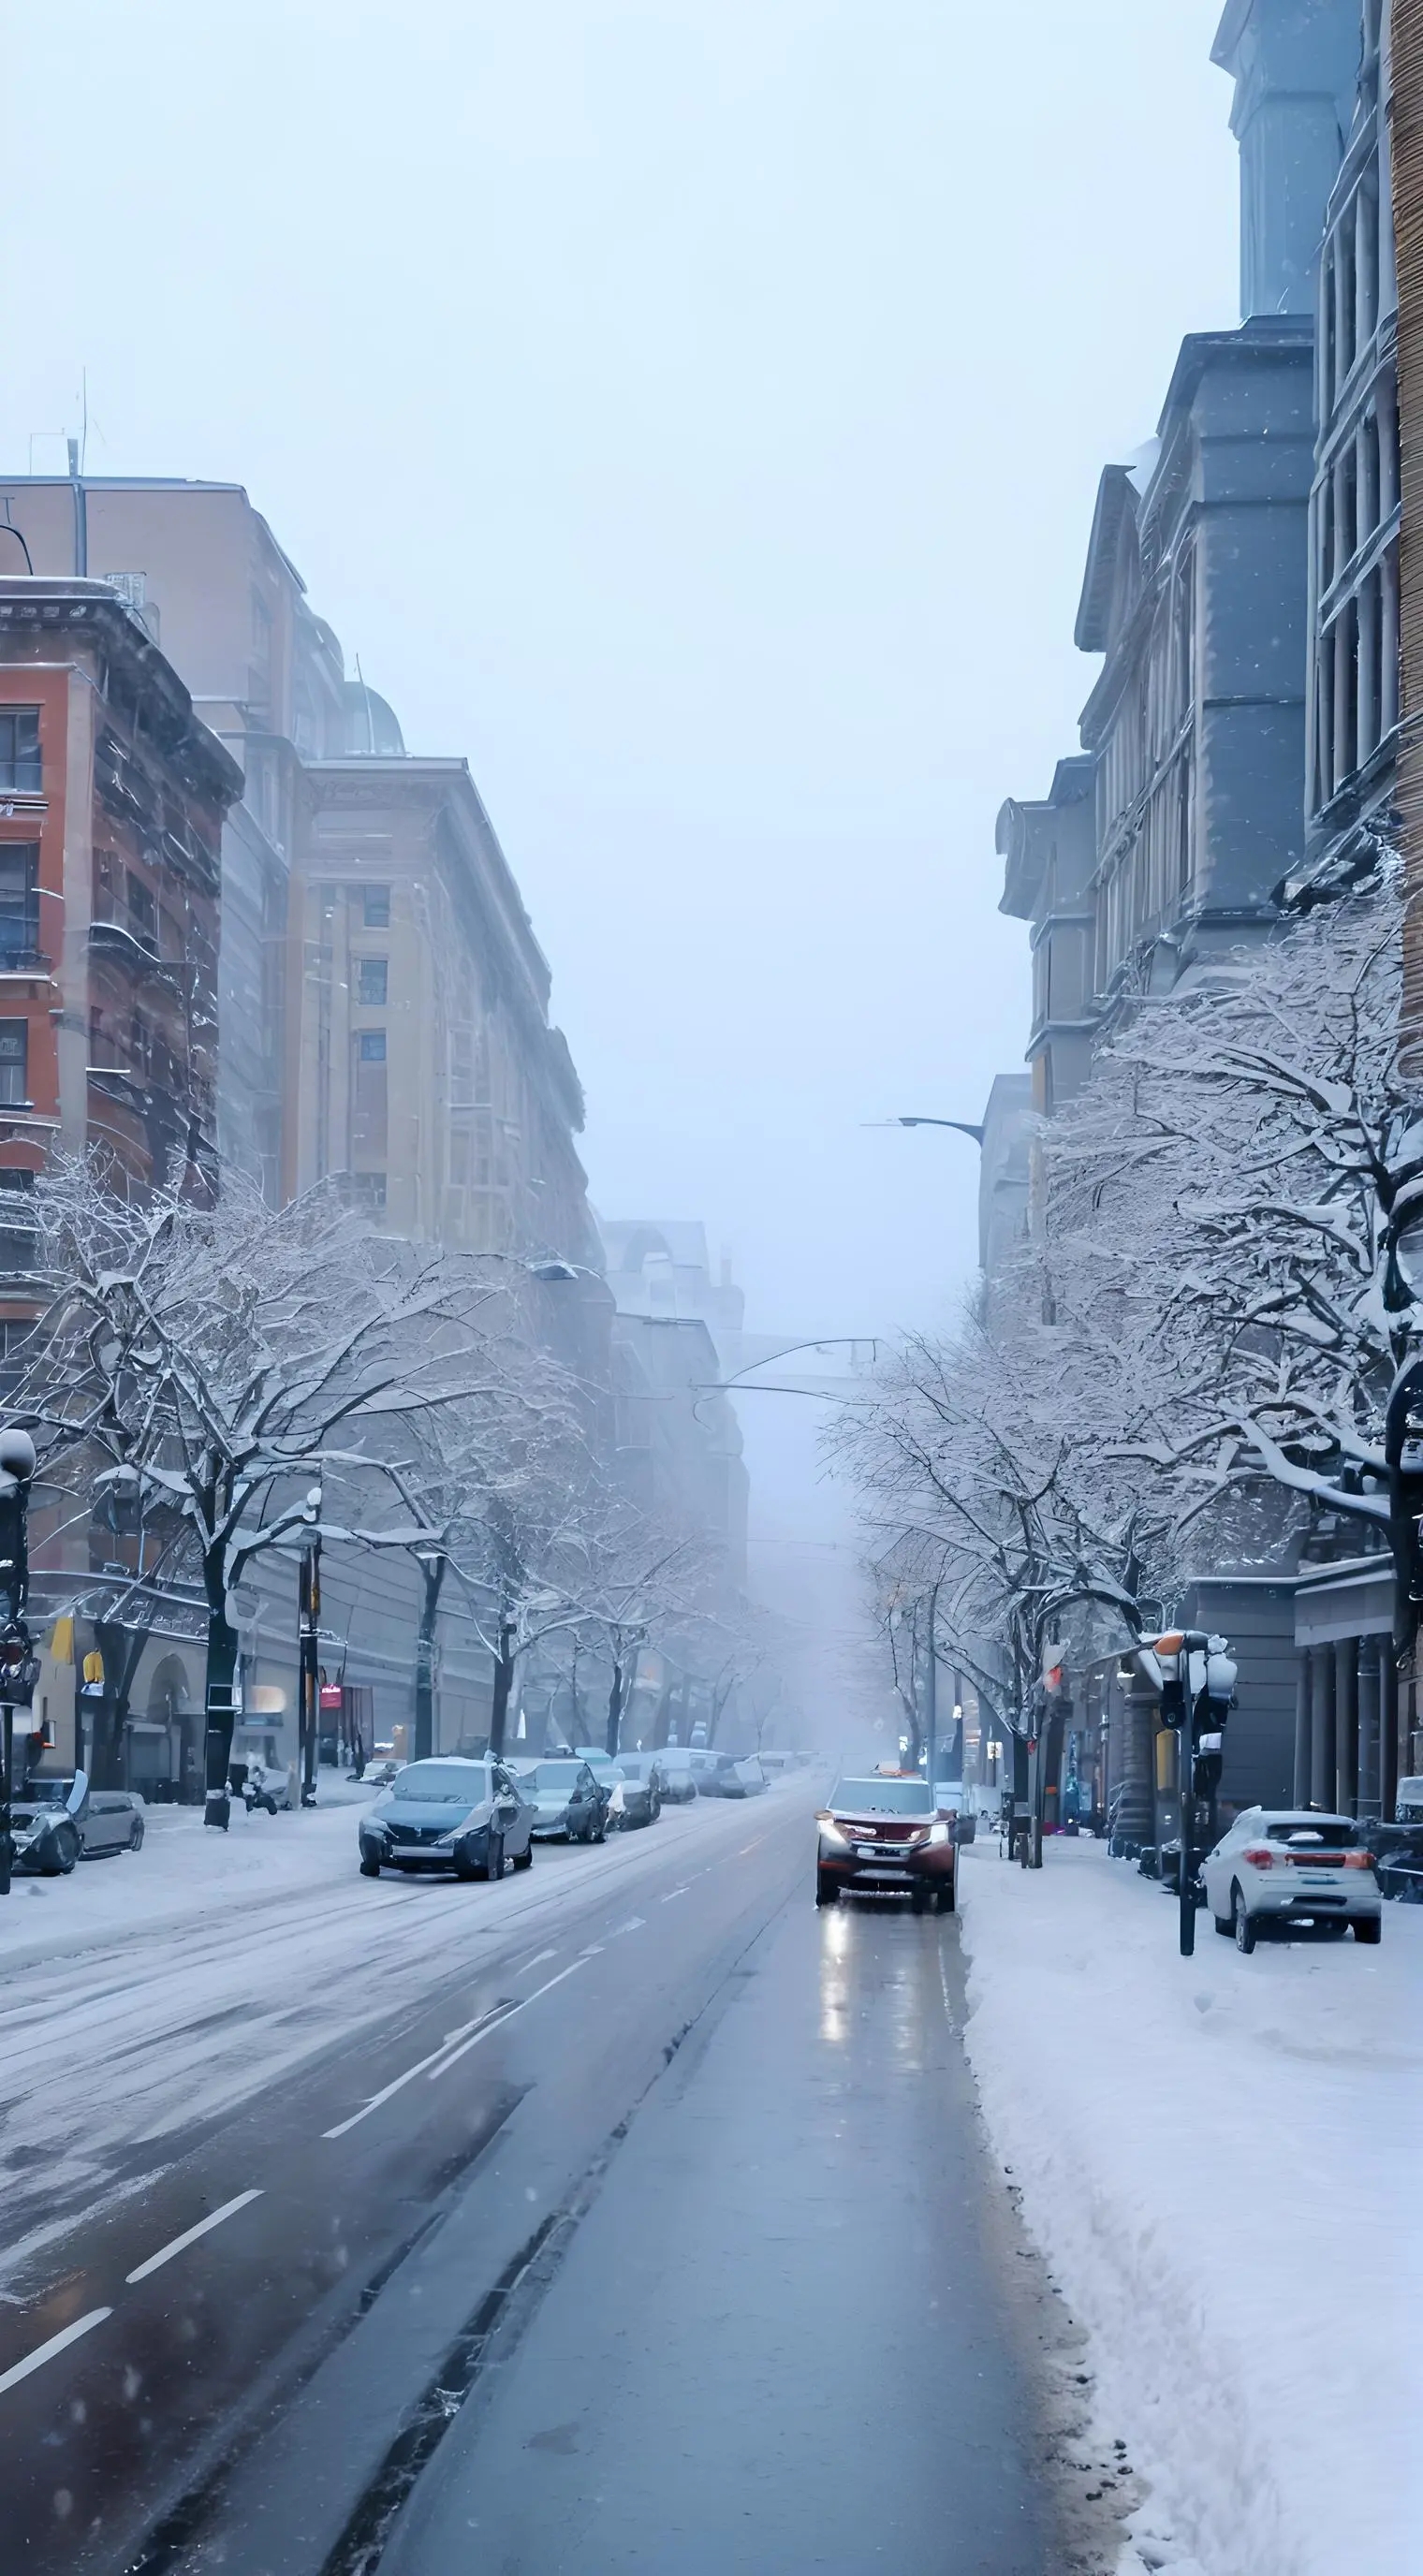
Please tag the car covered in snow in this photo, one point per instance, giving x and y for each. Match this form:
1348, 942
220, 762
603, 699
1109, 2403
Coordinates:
632, 1800
569, 1805
882, 1834
731, 1775
674, 1769
47, 1820
468, 1817
1288, 1869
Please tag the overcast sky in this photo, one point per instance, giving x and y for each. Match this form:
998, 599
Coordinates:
691, 410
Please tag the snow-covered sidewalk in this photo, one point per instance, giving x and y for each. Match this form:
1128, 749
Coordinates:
1220, 2159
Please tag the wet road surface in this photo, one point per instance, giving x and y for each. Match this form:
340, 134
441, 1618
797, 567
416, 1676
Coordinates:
777, 2341
180, 2317
653, 2230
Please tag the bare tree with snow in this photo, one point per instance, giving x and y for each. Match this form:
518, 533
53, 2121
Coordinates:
220, 1361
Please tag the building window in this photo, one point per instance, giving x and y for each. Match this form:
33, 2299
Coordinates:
19, 901
375, 907
368, 1122
17, 1232
142, 910
372, 974
368, 1193
14, 1065
259, 676
20, 748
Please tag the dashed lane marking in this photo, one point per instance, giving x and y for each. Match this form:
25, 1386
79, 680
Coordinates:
497, 2013
57, 2343
508, 2015
190, 2236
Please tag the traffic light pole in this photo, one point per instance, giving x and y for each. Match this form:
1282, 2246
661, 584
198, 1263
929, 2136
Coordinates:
309, 1699
17, 1663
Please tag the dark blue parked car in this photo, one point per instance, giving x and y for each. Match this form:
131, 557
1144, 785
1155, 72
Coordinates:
468, 1817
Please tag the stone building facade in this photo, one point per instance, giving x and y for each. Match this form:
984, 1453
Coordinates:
1355, 505
1241, 589
423, 1067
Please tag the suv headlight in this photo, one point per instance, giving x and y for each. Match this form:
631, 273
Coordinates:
832, 1833
940, 1833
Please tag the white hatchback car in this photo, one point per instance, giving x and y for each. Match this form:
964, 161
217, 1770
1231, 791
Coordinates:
1281, 1866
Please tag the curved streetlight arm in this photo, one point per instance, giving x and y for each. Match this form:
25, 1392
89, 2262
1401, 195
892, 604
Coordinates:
962, 1126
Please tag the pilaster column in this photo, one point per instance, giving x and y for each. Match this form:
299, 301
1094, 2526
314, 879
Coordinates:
1369, 1712
1346, 1726
1321, 1768
1304, 1709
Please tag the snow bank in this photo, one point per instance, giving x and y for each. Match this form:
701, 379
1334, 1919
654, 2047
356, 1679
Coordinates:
1220, 2159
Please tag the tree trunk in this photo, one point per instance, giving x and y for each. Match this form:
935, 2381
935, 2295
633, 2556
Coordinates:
121, 1649
432, 1579
915, 1732
615, 1708
503, 1687
221, 1669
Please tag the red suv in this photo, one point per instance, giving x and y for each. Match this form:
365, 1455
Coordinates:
883, 1833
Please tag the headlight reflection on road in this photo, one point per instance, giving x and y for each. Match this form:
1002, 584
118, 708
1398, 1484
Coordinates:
835, 1932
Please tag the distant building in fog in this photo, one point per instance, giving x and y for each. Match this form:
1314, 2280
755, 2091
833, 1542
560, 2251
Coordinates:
424, 1065
677, 1335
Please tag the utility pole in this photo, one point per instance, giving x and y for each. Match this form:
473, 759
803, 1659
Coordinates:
18, 1668
931, 1694
309, 1612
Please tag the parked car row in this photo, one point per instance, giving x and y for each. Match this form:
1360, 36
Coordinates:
478, 1817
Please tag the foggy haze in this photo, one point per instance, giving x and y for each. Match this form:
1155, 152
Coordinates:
692, 413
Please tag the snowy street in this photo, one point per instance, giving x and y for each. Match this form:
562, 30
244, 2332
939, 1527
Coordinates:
164, 1990
242, 2029
295, 2145
1218, 2158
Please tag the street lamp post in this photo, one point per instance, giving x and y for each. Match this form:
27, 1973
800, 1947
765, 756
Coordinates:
961, 1126
309, 1611
17, 1661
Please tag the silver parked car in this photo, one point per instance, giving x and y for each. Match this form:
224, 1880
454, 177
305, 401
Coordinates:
112, 1821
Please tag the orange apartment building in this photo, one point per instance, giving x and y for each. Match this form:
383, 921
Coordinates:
112, 799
